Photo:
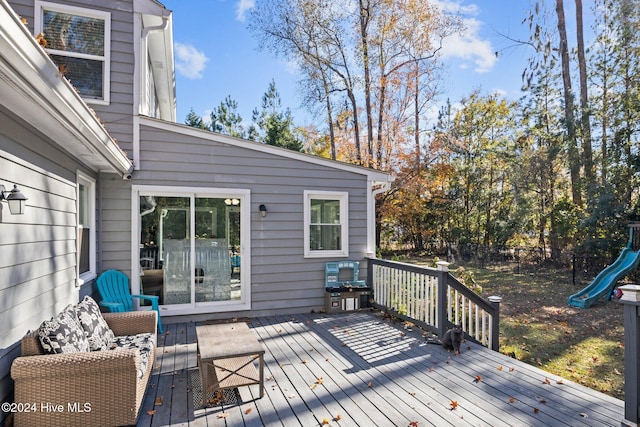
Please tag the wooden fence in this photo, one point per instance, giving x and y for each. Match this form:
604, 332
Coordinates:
433, 299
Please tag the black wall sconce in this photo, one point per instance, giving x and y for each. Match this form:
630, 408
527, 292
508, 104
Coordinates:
15, 199
263, 210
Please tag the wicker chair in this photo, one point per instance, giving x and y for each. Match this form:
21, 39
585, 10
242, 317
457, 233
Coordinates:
97, 388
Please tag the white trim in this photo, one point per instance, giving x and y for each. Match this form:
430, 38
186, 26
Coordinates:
90, 184
341, 196
105, 59
245, 244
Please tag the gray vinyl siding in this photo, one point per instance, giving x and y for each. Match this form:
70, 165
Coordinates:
118, 115
37, 249
281, 278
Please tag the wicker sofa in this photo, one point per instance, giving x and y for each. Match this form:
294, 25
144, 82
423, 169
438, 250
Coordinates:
100, 387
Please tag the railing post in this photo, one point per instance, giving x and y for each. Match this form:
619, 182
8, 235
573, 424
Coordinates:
443, 274
631, 373
495, 324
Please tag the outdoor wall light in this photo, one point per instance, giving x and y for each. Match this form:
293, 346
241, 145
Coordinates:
15, 199
263, 210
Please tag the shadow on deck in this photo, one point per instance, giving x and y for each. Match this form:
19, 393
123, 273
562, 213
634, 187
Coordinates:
360, 369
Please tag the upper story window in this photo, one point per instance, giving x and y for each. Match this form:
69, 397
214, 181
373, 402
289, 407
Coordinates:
326, 224
78, 41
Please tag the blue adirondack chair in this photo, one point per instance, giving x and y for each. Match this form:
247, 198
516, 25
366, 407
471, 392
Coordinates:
113, 286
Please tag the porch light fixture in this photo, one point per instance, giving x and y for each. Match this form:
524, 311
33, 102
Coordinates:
15, 199
263, 210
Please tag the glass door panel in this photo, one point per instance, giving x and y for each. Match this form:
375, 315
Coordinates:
214, 240
165, 248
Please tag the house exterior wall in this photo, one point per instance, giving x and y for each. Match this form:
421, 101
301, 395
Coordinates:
118, 115
282, 280
37, 249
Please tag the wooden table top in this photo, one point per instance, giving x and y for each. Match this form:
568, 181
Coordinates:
224, 340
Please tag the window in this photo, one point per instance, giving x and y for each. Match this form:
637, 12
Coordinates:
86, 235
78, 41
326, 224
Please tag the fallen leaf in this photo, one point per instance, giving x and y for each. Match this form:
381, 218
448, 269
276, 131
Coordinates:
158, 400
536, 410
512, 399
338, 417
499, 367
412, 394
319, 380
512, 369
325, 421
151, 412
542, 400
583, 415
453, 404
477, 379
248, 411
413, 424
546, 381
304, 360
559, 382
370, 384
223, 415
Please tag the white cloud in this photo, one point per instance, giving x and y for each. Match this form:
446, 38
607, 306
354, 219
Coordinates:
190, 62
242, 8
469, 45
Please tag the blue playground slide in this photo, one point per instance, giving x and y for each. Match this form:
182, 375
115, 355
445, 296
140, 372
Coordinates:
603, 284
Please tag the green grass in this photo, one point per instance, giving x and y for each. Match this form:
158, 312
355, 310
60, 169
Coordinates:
537, 326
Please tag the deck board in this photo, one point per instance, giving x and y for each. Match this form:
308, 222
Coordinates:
368, 371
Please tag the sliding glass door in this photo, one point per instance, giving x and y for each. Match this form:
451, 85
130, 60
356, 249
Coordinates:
191, 248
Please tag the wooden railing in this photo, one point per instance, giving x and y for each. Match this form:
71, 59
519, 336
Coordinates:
433, 299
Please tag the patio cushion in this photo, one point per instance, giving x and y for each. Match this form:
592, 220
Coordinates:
63, 334
143, 342
95, 327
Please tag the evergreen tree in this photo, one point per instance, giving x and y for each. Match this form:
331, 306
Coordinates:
273, 125
195, 120
226, 120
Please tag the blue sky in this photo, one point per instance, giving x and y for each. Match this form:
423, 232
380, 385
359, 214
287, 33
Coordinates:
217, 56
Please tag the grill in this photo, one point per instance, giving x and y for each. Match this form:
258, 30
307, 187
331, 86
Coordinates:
344, 291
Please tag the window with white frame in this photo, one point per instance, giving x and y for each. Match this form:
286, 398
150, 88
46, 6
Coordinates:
78, 41
326, 224
86, 235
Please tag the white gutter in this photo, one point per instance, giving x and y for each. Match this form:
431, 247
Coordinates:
35, 91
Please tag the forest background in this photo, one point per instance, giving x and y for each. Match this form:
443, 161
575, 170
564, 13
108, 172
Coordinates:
556, 169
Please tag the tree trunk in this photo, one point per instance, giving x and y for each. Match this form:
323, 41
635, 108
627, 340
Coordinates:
572, 147
365, 15
589, 171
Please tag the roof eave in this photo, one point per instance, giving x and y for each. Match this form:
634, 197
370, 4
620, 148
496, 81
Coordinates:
34, 90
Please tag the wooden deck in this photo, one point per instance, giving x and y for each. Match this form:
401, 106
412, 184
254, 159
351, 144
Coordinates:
360, 369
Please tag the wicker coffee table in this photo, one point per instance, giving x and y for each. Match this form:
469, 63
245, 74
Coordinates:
226, 355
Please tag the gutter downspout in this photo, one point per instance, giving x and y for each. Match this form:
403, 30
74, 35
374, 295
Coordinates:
141, 68
371, 214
